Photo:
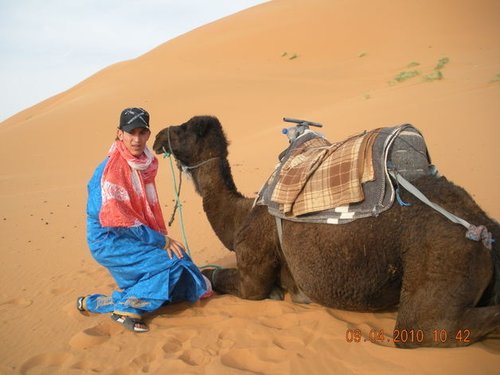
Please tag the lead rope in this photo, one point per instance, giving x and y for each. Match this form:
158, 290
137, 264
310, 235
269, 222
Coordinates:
178, 196
178, 203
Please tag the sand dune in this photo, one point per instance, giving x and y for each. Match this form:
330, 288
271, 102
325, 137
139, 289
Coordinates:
347, 64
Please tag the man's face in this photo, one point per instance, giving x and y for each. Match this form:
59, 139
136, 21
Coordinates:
135, 141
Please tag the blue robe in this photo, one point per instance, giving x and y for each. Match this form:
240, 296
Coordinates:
136, 259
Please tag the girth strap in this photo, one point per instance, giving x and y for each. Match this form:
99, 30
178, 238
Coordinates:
475, 233
279, 226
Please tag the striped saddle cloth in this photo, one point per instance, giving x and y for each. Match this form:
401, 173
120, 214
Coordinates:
322, 182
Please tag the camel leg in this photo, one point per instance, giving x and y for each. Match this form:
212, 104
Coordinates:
224, 280
451, 329
288, 283
437, 304
253, 279
482, 320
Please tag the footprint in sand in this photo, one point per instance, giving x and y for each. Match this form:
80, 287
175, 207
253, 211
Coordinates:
142, 363
285, 321
60, 291
173, 348
47, 363
172, 345
259, 360
225, 343
289, 343
195, 357
91, 337
16, 302
87, 366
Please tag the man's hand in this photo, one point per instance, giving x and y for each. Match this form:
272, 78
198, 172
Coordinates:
174, 247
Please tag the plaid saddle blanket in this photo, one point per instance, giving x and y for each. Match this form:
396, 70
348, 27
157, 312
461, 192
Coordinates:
323, 182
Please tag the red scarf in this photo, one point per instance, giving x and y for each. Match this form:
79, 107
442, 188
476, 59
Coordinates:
129, 196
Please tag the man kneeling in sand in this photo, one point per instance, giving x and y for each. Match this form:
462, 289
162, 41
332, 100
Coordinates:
126, 232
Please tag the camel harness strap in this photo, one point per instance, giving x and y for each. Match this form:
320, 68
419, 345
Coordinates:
475, 233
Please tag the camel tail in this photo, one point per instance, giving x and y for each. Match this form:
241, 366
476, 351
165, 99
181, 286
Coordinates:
491, 295
495, 255
495, 299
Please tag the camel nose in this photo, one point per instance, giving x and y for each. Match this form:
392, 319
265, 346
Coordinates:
160, 144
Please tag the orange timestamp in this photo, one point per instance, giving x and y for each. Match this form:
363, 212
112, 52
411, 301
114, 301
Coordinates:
407, 336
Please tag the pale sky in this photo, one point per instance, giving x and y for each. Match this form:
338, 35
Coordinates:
48, 46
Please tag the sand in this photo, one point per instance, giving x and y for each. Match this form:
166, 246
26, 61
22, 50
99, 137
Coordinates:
332, 61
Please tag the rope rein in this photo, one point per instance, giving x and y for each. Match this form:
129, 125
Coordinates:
186, 168
178, 203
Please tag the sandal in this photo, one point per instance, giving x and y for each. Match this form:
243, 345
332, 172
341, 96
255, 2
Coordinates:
80, 305
132, 324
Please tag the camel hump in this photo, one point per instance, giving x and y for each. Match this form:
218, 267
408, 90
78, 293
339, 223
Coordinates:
322, 182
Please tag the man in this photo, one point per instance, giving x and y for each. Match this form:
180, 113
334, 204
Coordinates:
126, 232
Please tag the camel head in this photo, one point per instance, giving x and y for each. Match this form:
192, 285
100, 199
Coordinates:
197, 140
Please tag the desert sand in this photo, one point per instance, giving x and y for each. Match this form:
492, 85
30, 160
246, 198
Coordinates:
351, 65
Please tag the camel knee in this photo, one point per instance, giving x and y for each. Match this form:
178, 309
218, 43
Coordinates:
480, 321
451, 329
255, 289
254, 292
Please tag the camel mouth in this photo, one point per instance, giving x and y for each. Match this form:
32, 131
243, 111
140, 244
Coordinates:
160, 146
160, 149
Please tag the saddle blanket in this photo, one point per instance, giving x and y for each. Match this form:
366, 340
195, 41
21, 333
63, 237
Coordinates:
320, 182
319, 175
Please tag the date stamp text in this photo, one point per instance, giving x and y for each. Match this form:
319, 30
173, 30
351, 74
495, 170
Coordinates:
408, 336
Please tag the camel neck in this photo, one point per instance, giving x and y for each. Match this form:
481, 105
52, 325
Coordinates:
215, 178
224, 206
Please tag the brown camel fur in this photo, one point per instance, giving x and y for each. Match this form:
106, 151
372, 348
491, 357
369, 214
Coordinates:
409, 258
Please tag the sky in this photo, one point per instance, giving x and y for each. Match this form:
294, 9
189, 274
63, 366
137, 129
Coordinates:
48, 46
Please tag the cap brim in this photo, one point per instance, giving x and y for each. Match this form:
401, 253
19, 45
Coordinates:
129, 127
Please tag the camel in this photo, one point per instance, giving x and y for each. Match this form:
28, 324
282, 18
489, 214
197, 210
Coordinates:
445, 287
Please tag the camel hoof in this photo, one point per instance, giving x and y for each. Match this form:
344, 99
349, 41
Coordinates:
300, 297
208, 273
277, 294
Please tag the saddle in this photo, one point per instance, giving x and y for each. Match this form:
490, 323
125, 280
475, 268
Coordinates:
317, 181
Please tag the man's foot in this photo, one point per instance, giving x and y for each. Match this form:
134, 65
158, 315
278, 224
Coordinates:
80, 305
132, 324
209, 293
